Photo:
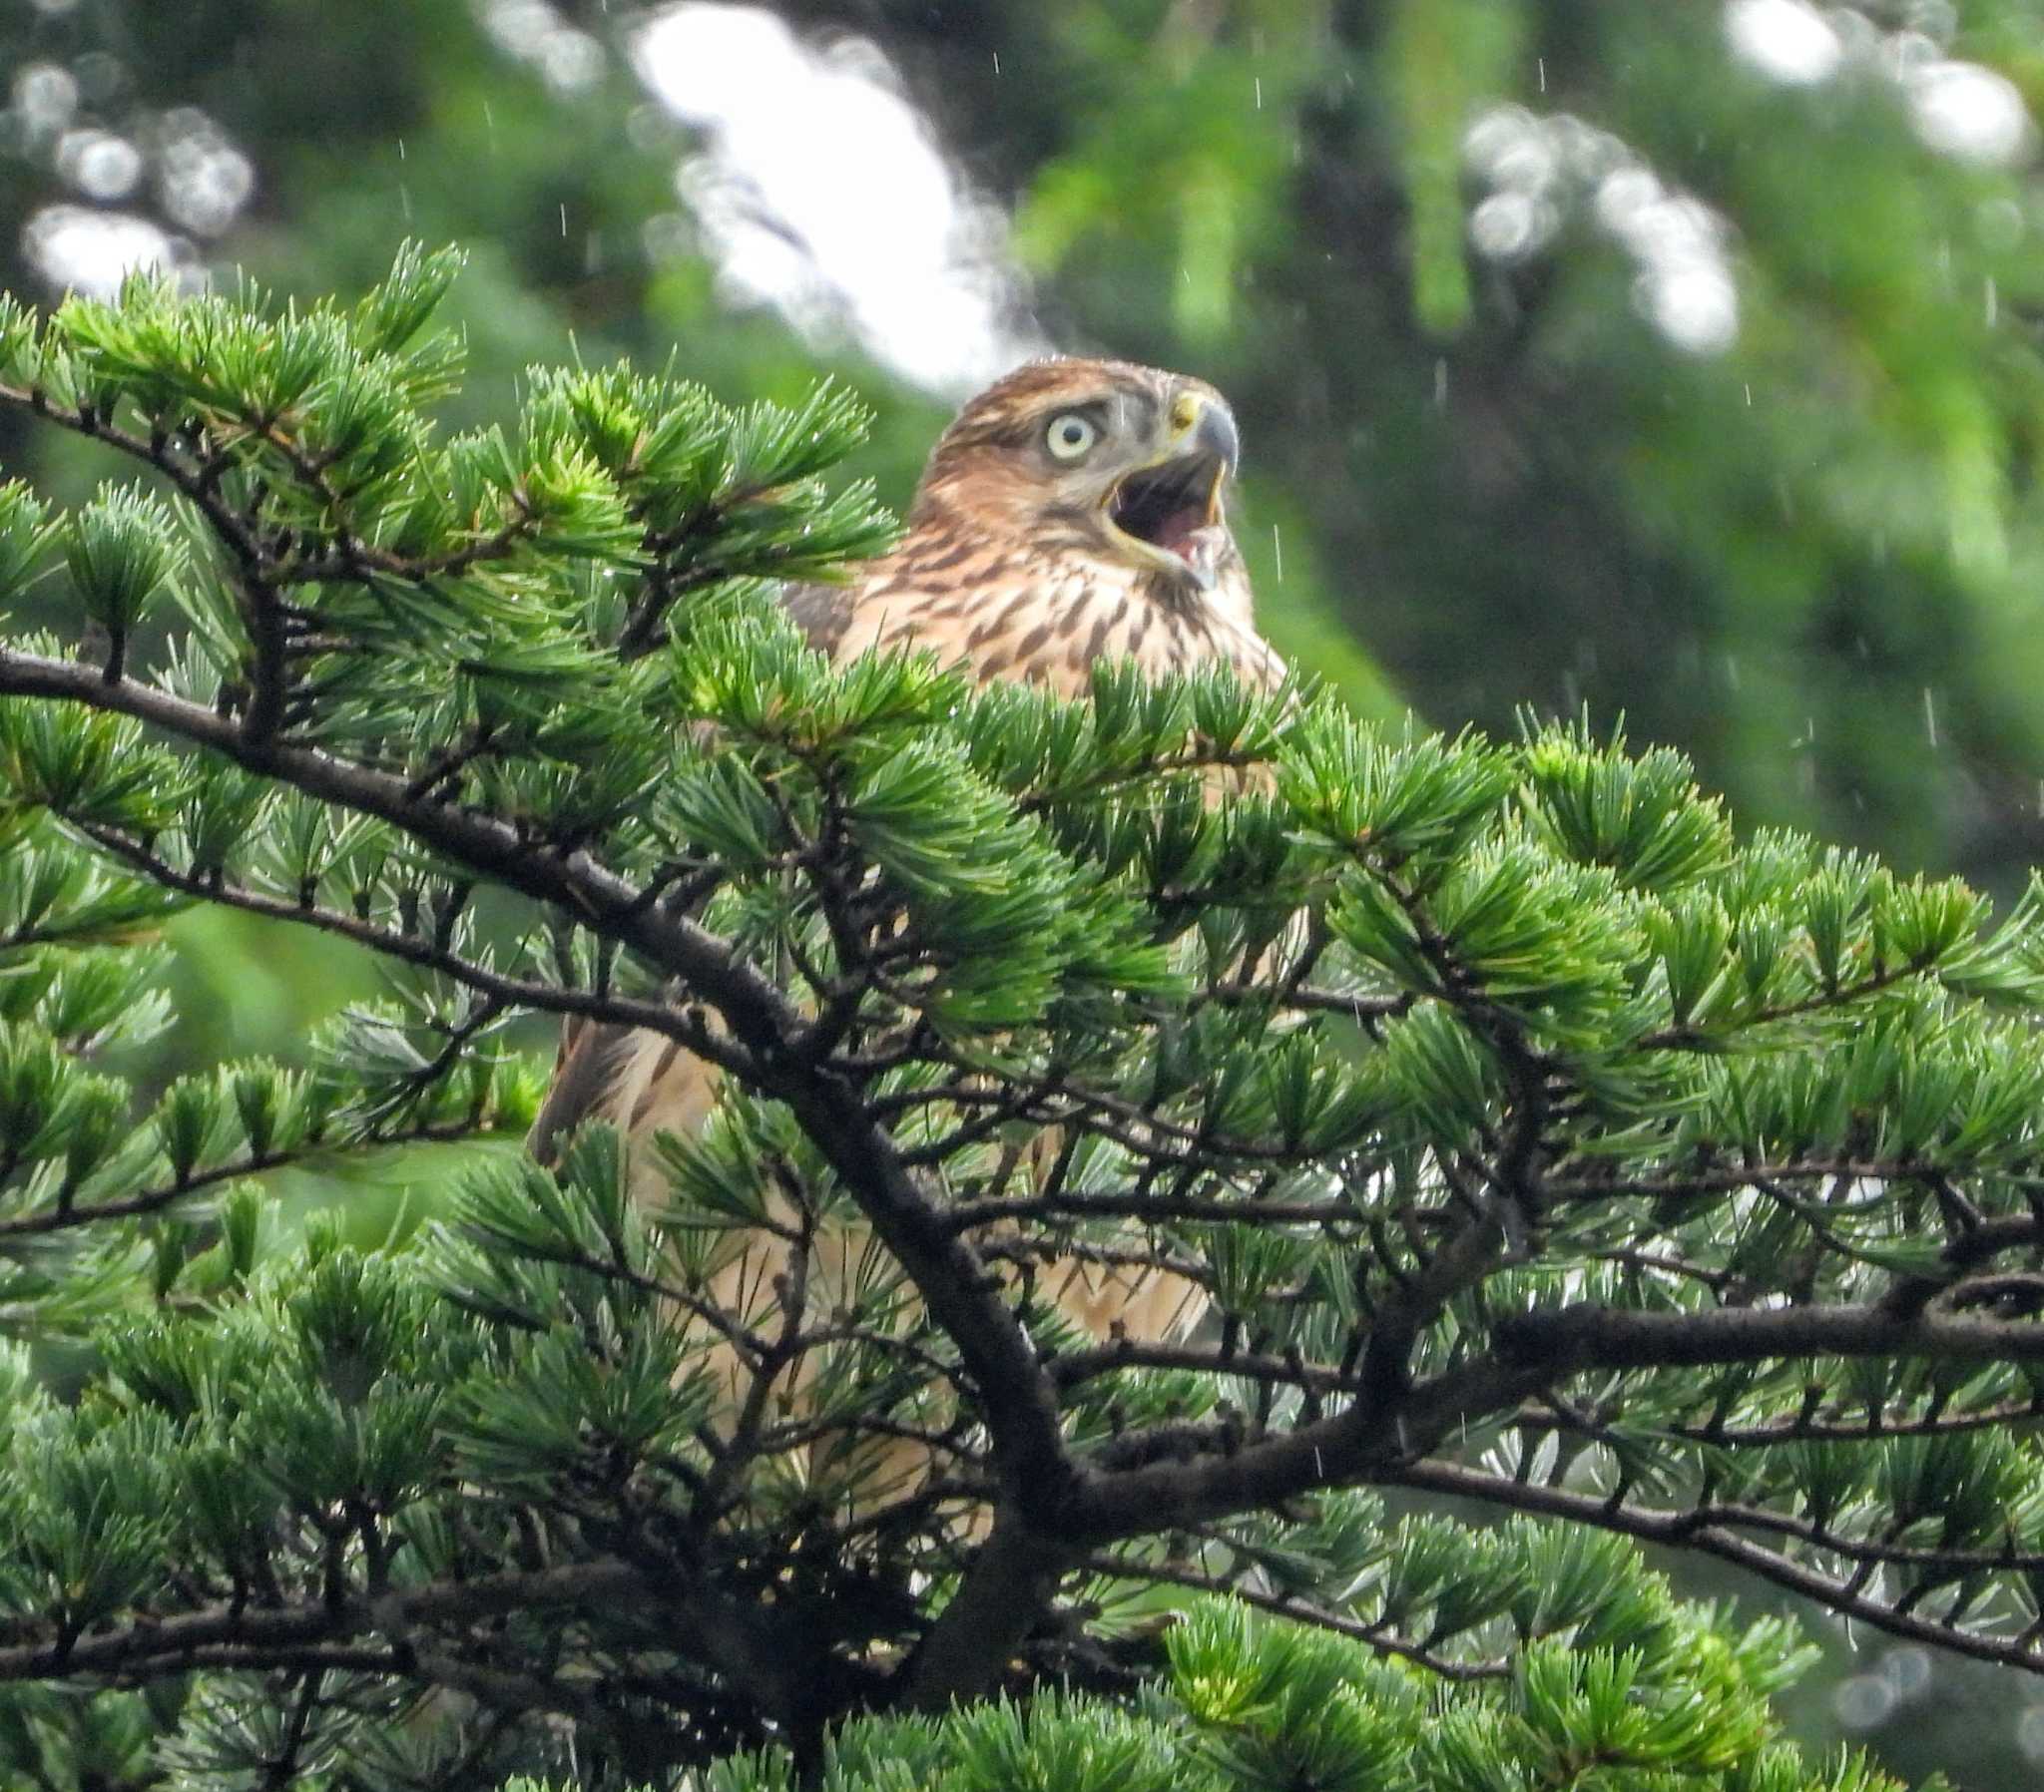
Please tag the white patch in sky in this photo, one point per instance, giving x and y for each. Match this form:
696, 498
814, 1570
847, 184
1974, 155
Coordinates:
1968, 111
82, 250
44, 98
1537, 166
1508, 227
101, 165
202, 184
1787, 40
568, 60
1694, 304
1961, 109
201, 179
1680, 246
820, 190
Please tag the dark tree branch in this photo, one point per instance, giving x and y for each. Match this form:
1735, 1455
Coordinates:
1797, 1428
955, 1286
969, 1216
283, 1769
1671, 1039
1680, 1531
262, 572
163, 1643
414, 949
1729, 1178
1378, 1637
153, 1201
1076, 1368
1008, 1586
1572, 1339
1385, 1423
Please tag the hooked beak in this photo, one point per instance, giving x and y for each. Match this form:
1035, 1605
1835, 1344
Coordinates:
1171, 508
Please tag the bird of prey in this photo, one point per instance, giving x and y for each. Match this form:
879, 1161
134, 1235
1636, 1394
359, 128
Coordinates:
1073, 512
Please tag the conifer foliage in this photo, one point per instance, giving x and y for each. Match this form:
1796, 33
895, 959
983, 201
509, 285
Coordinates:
1532, 1143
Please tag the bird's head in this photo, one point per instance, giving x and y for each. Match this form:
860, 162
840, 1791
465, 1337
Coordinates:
1124, 462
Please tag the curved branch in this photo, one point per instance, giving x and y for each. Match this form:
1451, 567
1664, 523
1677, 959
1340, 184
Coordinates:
519, 992
1572, 1339
153, 1201
955, 1286
1007, 1585
1378, 1637
266, 1632
1388, 1421
1679, 1530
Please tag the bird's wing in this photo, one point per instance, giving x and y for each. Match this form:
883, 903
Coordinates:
640, 1082
603, 1071
822, 611
592, 1057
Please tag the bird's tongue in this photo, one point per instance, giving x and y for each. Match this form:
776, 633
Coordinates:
1198, 544
1177, 528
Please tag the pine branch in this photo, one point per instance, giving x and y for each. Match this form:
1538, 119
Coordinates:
65, 1219
1021, 1408
424, 954
1384, 1424
1075, 1368
1678, 1530
979, 1215
164, 1644
1569, 1340
1798, 1429
1380, 1637
986, 988
282, 1769
1845, 995
198, 478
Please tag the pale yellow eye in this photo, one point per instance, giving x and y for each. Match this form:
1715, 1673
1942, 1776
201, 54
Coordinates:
1070, 436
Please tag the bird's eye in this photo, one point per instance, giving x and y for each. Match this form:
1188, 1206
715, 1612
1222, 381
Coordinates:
1070, 436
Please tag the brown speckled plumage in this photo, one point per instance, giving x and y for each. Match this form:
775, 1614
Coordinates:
1011, 566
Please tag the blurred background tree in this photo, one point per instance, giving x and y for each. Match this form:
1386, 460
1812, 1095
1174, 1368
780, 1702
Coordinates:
1679, 362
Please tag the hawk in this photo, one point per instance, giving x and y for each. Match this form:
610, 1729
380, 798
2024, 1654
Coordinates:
1073, 512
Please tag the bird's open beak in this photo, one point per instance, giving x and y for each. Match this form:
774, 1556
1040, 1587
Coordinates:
1171, 508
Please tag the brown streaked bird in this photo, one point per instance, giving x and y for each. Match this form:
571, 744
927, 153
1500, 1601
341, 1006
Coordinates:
1073, 512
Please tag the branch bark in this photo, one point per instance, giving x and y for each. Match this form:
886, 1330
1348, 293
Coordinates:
157, 1643
1008, 1585
1572, 1339
1680, 1531
956, 1288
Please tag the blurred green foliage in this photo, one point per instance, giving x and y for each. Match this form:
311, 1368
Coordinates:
1805, 552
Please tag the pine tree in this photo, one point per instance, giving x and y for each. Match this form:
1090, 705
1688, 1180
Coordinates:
1538, 1145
